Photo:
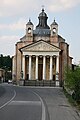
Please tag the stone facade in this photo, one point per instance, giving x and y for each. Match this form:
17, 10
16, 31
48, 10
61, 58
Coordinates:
41, 54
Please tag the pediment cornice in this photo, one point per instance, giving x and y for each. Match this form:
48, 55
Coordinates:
41, 46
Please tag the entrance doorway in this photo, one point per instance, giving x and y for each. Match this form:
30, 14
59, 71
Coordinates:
40, 68
40, 71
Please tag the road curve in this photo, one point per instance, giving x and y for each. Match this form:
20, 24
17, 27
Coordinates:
35, 103
21, 103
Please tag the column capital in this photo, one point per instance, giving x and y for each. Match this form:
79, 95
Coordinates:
57, 56
23, 55
36, 55
30, 55
51, 55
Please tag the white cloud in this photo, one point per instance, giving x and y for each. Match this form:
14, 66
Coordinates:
16, 7
23, 7
60, 5
7, 44
19, 25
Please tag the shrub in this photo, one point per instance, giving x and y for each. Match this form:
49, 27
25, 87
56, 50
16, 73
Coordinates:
72, 81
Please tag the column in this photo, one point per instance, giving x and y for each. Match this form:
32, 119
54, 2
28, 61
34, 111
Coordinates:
29, 67
36, 67
44, 67
23, 67
51, 70
57, 71
57, 64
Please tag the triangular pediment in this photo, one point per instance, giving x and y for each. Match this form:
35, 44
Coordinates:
40, 46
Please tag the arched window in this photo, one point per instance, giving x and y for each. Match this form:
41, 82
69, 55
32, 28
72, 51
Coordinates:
54, 30
29, 30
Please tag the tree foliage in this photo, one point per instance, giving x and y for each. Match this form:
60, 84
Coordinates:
72, 81
5, 62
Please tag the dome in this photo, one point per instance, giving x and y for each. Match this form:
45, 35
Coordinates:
42, 21
42, 14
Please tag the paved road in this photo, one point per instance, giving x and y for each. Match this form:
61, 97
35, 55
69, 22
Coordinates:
25, 103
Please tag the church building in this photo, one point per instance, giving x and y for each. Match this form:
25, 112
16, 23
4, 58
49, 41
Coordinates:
41, 54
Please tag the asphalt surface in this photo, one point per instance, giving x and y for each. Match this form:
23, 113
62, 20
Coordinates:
32, 103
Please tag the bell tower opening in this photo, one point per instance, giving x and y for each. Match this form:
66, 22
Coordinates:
29, 30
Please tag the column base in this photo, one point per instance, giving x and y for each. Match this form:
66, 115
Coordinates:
36, 79
57, 83
57, 77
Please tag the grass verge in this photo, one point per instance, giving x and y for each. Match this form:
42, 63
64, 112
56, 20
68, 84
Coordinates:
71, 100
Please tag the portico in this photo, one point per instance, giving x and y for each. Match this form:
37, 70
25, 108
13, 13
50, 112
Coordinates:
39, 63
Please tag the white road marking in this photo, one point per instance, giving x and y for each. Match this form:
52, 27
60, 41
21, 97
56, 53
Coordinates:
43, 107
42, 103
25, 103
9, 100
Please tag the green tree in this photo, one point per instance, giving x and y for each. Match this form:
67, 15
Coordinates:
6, 64
72, 81
1, 61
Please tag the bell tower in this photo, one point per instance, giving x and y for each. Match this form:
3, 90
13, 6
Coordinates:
54, 28
54, 33
29, 31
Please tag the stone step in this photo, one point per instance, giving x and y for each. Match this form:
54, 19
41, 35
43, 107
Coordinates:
39, 83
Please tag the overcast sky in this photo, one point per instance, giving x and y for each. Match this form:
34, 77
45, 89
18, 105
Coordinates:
14, 15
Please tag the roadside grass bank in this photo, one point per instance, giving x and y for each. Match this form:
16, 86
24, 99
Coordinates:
71, 100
